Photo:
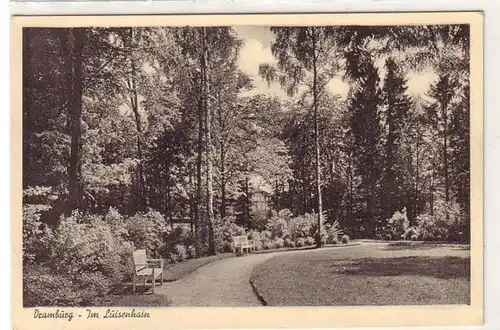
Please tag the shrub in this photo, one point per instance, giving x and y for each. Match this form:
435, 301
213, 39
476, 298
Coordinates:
300, 242
268, 245
335, 241
35, 233
258, 245
116, 221
398, 223
191, 251
333, 232
178, 254
178, 236
224, 231
277, 224
302, 226
227, 247
413, 237
85, 243
43, 287
345, 239
388, 237
85, 257
446, 223
412, 231
289, 243
253, 235
148, 231
279, 243
310, 241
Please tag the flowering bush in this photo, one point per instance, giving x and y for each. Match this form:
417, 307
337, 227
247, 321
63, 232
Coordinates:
302, 226
300, 242
35, 233
191, 251
398, 224
410, 232
85, 254
147, 231
289, 243
178, 254
279, 243
85, 243
310, 241
447, 222
44, 287
278, 223
333, 232
268, 245
224, 231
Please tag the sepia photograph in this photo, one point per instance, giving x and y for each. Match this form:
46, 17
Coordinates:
245, 166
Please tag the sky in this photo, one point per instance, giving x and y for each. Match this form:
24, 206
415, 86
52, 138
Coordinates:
257, 49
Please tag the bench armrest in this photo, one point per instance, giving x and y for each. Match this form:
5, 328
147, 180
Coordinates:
156, 261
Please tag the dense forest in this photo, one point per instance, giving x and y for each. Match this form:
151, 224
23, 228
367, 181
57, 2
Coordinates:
131, 131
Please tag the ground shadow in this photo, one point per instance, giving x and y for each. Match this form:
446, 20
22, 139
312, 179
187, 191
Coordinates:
127, 289
410, 246
424, 246
442, 267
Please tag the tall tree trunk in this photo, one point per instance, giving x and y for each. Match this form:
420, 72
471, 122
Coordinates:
445, 159
76, 41
316, 139
169, 200
192, 203
208, 138
417, 178
199, 181
223, 182
134, 102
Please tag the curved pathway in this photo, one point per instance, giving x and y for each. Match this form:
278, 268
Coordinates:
225, 282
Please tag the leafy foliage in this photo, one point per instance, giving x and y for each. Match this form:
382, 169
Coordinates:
147, 231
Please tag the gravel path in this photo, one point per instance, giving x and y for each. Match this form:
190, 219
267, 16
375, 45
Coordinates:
222, 283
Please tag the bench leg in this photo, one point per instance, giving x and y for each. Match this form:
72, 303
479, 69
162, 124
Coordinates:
154, 280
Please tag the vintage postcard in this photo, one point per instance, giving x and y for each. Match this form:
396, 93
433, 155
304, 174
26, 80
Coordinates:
247, 171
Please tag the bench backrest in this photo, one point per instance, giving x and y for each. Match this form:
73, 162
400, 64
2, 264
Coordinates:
140, 259
240, 240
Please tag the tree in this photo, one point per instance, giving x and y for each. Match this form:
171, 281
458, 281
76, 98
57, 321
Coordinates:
366, 133
306, 56
73, 41
443, 92
396, 104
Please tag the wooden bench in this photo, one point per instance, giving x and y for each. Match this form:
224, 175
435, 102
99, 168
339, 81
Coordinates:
241, 243
145, 269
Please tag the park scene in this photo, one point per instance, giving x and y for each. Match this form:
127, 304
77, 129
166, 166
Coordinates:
246, 166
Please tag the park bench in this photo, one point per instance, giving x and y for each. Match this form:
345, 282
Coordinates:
145, 269
241, 243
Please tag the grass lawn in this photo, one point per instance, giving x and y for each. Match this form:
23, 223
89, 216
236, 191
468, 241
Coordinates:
372, 274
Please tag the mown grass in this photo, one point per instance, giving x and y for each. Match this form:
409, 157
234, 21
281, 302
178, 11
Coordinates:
366, 275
